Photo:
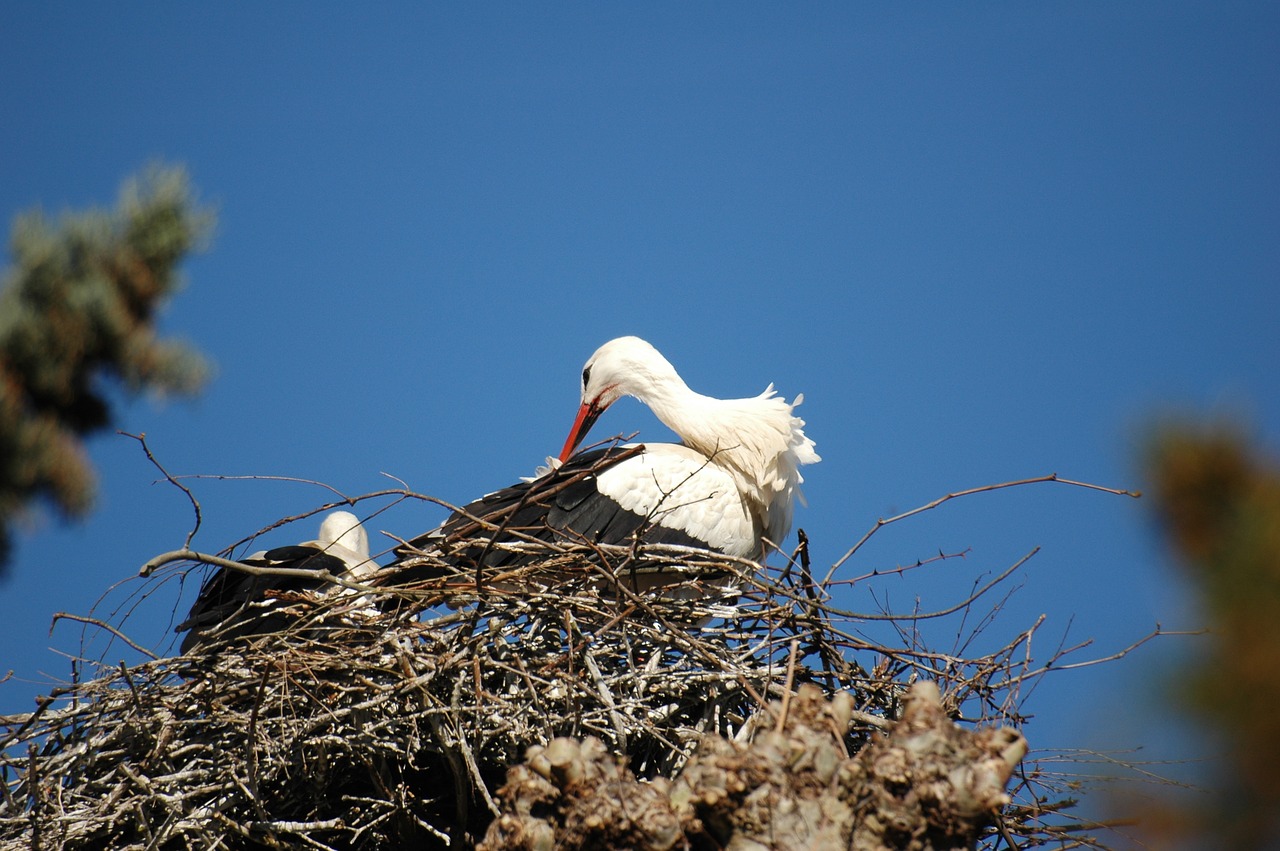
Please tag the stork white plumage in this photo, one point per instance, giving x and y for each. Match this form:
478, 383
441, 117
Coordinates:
733, 482
234, 604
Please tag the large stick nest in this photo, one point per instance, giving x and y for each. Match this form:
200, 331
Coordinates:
389, 717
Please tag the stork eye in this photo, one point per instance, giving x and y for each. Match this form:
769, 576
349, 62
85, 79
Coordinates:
586, 376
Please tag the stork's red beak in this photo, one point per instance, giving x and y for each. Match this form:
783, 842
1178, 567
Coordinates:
587, 416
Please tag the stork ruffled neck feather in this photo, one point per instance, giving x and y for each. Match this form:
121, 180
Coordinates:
758, 440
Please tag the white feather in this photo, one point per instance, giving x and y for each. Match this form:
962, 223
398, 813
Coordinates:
679, 488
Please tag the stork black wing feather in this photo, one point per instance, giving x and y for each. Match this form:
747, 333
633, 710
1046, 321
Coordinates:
302, 557
603, 521
563, 505
238, 601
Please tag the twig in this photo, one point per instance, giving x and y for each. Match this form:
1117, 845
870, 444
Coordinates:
101, 625
881, 523
219, 477
141, 437
253, 570
950, 610
787, 686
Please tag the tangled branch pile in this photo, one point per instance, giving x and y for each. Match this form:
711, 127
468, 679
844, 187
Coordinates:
390, 719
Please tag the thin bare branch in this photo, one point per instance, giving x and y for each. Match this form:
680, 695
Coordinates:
141, 437
882, 522
102, 625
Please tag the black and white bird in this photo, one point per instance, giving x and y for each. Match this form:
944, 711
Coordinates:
733, 481
234, 604
729, 487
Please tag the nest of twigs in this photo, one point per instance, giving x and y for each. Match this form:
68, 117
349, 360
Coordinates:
389, 718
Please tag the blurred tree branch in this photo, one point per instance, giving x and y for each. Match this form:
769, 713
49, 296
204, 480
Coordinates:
1217, 500
77, 311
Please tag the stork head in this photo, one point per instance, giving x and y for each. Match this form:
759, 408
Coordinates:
344, 528
627, 366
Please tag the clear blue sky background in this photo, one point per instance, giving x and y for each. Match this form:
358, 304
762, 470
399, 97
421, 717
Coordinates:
986, 241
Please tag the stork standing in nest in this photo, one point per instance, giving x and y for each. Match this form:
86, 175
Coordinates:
730, 487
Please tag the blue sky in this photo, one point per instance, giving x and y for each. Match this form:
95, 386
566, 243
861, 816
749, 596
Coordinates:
986, 241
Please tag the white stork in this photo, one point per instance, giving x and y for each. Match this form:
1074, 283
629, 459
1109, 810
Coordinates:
234, 604
729, 487
733, 482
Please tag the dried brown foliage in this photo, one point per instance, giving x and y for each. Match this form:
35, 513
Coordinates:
927, 784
